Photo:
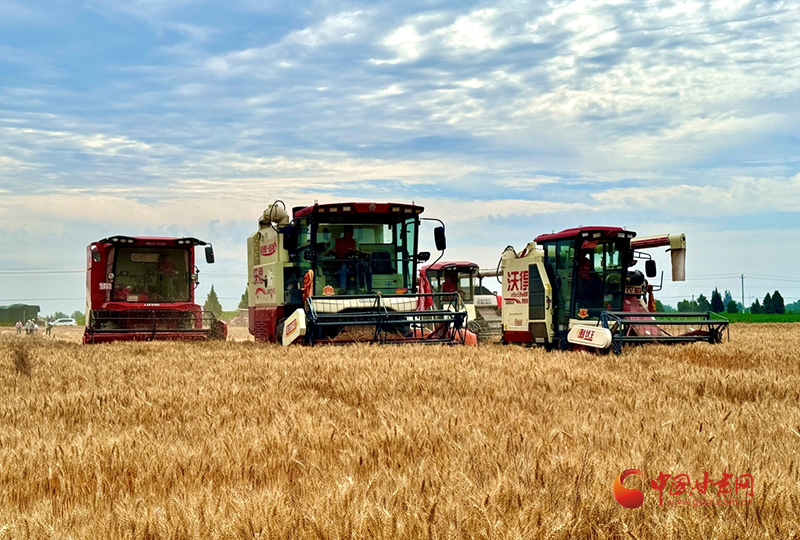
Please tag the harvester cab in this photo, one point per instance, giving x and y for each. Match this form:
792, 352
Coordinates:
142, 289
481, 304
577, 287
345, 272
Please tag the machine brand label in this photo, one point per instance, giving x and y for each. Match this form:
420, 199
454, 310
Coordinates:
291, 327
327, 290
105, 286
518, 281
583, 313
484, 301
586, 334
152, 305
269, 249
634, 289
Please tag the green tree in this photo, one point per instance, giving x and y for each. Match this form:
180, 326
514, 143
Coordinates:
244, 302
59, 315
766, 306
756, 308
794, 307
732, 307
703, 304
663, 308
778, 305
688, 305
212, 303
727, 297
716, 302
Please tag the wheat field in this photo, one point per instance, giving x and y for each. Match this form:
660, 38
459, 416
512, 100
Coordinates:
245, 440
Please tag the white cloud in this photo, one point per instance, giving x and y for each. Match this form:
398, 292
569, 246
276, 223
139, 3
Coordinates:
738, 197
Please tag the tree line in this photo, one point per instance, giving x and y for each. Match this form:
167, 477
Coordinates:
724, 303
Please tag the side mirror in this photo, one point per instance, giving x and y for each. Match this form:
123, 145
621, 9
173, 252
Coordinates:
650, 268
209, 254
423, 256
439, 238
95, 253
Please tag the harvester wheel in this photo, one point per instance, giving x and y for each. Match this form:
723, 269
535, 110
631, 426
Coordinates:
474, 327
279, 330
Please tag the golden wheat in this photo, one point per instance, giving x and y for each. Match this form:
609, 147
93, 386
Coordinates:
245, 440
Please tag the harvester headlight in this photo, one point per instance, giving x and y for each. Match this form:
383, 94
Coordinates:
347, 208
195, 277
110, 276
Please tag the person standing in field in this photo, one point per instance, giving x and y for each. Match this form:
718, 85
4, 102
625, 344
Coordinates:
18, 326
48, 327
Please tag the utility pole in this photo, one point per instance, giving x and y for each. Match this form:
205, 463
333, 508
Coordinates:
742, 291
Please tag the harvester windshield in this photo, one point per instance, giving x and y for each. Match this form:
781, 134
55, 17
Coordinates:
591, 271
359, 258
150, 274
460, 277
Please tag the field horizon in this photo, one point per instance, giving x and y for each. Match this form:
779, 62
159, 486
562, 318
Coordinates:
245, 440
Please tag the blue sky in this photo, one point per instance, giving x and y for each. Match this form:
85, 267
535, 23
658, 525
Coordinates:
506, 119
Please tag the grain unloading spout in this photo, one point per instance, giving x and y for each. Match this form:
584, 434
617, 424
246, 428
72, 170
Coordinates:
677, 249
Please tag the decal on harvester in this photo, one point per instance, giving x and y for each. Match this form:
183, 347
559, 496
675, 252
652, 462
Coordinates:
518, 281
104, 286
269, 249
584, 333
327, 290
583, 313
291, 327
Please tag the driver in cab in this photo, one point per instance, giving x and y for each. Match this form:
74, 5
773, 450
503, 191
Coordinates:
346, 247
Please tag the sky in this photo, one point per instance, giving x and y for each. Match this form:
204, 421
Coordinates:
505, 119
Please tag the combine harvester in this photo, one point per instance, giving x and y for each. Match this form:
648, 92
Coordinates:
345, 272
576, 288
466, 279
142, 289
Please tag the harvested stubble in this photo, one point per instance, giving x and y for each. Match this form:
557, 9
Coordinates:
243, 440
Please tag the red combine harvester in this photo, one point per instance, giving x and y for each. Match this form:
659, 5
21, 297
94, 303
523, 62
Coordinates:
466, 279
142, 289
577, 288
345, 272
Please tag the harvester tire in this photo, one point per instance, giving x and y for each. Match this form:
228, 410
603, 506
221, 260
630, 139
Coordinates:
474, 327
279, 330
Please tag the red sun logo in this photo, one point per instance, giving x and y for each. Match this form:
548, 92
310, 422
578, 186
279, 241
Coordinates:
628, 497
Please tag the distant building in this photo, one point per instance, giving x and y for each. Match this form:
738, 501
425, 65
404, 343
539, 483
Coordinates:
17, 312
